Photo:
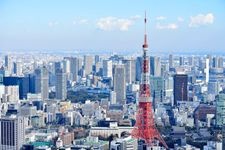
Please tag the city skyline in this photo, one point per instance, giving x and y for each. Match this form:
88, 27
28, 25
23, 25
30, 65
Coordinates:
112, 75
112, 26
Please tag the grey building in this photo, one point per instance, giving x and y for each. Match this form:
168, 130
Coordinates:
88, 63
12, 133
107, 68
130, 70
155, 66
8, 63
170, 61
220, 109
42, 82
157, 90
75, 67
181, 60
119, 83
138, 68
61, 85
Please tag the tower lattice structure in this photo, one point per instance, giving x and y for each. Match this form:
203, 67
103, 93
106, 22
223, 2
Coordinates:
145, 128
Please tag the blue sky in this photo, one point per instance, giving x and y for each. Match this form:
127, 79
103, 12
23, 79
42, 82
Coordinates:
173, 25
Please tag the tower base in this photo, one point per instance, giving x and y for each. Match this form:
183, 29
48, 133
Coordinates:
145, 129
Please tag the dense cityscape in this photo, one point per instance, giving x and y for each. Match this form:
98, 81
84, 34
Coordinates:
90, 102
95, 75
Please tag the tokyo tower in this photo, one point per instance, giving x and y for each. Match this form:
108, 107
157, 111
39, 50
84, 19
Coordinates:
145, 128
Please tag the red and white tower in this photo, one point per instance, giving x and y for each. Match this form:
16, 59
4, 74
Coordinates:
145, 128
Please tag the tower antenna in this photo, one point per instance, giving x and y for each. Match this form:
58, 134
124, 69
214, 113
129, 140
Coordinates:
145, 128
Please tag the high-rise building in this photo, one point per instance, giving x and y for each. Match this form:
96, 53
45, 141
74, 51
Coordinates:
220, 62
11, 94
75, 67
107, 68
220, 109
119, 83
2, 88
207, 70
22, 82
88, 63
157, 90
57, 65
130, 70
180, 88
168, 87
112, 97
12, 133
215, 62
138, 68
210, 60
42, 82
213, 87
17, 67
8, 63
1, 77
66, 65
155, 66
181, 61
98, 69
170, 61
191, 61
97, 59
61, 86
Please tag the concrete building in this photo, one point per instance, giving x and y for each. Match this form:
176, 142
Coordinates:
11, 94
207, 70
138, 68
220, 62
191, 61
107, 68
66, 65
155, 66
168, 87
28, 111
130, 70
75, 67
12, 133
42, 82
157, 90
220, 109
215, 62
119, 83
112, 97
124, 143
18, 68
213, 87
170, 61
180, 88
8, 63
181, 61
88, 63
107, 131
61, 85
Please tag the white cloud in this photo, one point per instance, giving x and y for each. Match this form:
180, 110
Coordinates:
171, 26
180, 19
114, 23
135, 17
201, 19
80, 21
74, 22
161, 18
83, 21
52, 23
